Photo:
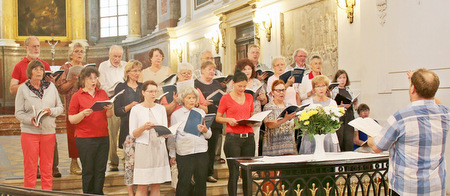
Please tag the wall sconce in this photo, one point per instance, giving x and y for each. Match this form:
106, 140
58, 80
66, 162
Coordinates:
265, 22
178, 49
214, 38
349, 4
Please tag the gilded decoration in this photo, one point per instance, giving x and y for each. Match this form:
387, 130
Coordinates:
313, 27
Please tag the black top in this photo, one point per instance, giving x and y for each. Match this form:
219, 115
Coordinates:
207, 89
128, 96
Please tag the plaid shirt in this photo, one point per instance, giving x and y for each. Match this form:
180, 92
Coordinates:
415, 138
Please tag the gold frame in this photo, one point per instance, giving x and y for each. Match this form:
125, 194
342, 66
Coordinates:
197, 6
66, 38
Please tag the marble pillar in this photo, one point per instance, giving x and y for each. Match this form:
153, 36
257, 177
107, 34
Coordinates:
134, 20
78, 16
7, 21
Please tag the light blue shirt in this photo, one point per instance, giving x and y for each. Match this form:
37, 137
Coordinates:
415, 138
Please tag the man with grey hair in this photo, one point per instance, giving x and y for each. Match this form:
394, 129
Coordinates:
111, 74
299, 57
19, 75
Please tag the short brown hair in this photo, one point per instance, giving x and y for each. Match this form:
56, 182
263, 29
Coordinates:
145, 86
207, 63
241, 63
150, 54
425, 82
276, 83
86, 72
321, 79
339, 73
362, 107
33, 64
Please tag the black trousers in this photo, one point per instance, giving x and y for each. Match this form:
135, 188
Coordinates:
393, 193
93, 154
212, 144
236, 146
188, 166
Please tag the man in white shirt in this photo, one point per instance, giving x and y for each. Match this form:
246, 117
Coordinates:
112, 73
299, 57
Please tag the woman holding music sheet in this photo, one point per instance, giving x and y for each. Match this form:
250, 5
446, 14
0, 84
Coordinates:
278, 66
208, 86
37, 138
320, 87
239, 141
91, 130
346, 132
151, 164
189, 151
184, 74
247, 67
122, 107
68, 86
280, 135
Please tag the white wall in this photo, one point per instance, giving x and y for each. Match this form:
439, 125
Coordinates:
415, 35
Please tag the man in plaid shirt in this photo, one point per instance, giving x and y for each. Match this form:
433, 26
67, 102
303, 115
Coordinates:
415, 138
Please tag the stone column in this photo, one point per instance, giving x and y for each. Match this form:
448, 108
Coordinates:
134, 20
78, 16
7, 21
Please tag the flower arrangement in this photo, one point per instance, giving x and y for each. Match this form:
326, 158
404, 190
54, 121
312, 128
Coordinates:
316, 120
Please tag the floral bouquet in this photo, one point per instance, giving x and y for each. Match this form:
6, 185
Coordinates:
316, 120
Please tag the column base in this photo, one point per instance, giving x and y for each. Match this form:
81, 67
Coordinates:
8, 42
131, 38
81, 41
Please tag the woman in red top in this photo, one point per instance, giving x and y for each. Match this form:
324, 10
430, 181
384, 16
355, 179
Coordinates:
239, 141
91, 130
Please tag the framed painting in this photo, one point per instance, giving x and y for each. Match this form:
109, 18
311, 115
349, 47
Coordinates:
201, 3
43, 18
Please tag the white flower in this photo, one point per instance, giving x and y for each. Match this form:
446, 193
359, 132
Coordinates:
313, 107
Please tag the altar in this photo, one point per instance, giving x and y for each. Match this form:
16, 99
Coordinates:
340, 173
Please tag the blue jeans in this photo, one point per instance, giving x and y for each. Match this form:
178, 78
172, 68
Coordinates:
236, 146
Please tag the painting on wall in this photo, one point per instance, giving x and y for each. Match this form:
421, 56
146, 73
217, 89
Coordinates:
201, 3
42, 18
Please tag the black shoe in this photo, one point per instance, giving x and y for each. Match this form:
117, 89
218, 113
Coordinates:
56, 173
211, 179
113, 168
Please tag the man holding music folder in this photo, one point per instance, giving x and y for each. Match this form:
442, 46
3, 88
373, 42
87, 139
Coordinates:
415, 137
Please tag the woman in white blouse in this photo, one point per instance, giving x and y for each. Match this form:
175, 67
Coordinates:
188, 150
151, 159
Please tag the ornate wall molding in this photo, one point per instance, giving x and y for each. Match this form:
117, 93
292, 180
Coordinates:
313, 27
382, 6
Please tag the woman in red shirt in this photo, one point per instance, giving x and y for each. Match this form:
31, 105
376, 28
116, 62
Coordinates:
91, 130
239, 141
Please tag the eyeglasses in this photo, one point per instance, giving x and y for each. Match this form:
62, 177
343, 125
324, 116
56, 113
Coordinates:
301, 56
78, 51
279, 90
186, 73
152, 92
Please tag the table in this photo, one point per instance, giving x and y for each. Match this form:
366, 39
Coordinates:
339, 173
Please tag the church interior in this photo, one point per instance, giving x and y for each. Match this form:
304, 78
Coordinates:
376, 41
